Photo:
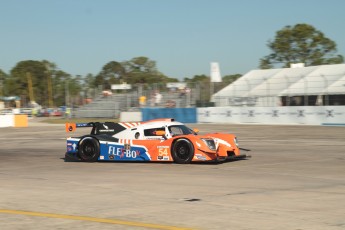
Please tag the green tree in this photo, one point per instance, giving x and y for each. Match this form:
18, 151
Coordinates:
19, 83
143, 70
3, 77
60, 87
112, 73
228, 79
89, 86
301, 43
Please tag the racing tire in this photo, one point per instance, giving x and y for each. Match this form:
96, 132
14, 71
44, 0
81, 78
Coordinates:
182, 151
89, 149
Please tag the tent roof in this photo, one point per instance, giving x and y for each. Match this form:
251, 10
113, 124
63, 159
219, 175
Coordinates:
337, 87
280, 81
288, 82
247, 82
317, 81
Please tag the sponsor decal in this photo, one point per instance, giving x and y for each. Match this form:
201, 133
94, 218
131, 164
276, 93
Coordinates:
122, 152
163, 147
106, 129
127, 146
101, 157
71, 146
163, 158
251, 113
329, 113
200, 157
300, 113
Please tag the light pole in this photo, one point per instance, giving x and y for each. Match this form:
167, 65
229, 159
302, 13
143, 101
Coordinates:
1, 87
66, 93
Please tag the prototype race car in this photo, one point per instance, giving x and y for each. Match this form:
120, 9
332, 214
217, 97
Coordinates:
155, 140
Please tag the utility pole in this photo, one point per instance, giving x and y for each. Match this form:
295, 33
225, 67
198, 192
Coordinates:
1, 87
31, 93
50, 90
66, 93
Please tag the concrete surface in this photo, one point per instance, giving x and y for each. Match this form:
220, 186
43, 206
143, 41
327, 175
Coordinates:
294, 180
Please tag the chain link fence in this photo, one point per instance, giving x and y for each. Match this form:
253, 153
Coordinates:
285, 91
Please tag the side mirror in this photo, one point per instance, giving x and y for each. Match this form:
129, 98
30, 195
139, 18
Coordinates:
195, 130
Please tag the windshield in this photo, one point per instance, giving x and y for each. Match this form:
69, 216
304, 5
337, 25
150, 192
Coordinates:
179, 130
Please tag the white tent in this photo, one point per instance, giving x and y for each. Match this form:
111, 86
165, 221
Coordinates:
335, 88
267, 87
316, 82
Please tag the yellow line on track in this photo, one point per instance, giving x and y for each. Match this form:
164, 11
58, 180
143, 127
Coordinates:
93, 219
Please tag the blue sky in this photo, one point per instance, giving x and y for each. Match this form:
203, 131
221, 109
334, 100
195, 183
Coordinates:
182, 36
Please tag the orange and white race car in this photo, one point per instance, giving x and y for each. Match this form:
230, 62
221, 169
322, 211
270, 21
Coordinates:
155, 140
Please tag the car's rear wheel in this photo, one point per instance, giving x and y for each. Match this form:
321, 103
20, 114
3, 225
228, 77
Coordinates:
182, 151
89, 149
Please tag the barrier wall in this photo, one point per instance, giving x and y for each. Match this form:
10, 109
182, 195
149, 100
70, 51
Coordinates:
130, 116
308, 115
10, 120
6, 120
185, 115
20, 120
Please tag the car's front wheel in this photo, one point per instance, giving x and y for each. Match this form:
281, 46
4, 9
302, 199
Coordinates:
89, 149
182, 151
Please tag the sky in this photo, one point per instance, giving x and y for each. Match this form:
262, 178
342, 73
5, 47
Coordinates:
182, 36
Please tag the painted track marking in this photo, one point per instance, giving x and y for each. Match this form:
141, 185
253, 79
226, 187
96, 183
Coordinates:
93, 219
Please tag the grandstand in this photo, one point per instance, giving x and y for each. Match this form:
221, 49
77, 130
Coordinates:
302, 86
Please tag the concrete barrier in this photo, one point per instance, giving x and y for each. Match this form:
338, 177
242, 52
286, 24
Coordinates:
20, 120
307, 115
11, 120
6, 120
130, 116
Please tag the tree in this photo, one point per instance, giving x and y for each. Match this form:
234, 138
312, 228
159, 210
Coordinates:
19, 81
143, 70
301, 43
112, 73
3, 77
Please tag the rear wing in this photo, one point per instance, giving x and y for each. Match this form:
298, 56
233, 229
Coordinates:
108, 128
71, 127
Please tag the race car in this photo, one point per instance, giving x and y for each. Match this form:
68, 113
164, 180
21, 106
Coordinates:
159, 140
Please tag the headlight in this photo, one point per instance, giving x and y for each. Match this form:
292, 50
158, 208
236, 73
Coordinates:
210, 143
236, 142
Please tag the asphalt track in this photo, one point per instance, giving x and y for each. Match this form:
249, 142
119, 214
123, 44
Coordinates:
294, 180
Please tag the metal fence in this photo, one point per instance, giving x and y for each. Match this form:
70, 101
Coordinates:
106, 103
243, 92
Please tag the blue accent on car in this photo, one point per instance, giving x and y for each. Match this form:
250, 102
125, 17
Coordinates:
72, 146
120, 152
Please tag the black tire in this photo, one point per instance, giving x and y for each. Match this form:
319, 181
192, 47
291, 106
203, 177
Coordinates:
88, 149
182, 151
